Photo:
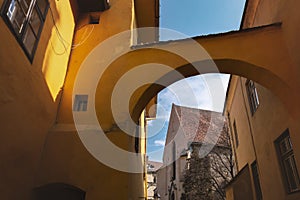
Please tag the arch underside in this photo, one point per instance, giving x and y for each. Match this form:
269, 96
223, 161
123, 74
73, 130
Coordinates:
244, 53
259, 75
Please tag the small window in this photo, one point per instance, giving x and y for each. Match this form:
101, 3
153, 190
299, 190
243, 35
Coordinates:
252, 96
174, 161
94, 19
256, 181
25, 18
287, 161
137, 139
80, 103
236, 137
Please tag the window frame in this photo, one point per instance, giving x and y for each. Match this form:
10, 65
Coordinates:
256, 181
80, 103
289, 153
137, 139
235, 132
252, 95
174, 161
32, 8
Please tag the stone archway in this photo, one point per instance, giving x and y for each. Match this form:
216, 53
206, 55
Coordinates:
260, 75
245, 53
58, 191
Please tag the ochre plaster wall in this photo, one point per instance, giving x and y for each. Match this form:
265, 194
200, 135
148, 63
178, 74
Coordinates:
273, 117
257, 134
65, 158
29, 95
30, 92
238, 114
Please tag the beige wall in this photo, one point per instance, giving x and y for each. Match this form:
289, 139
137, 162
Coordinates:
239, 115
257, 134
162, 183
272, 116
240, 187
272, 11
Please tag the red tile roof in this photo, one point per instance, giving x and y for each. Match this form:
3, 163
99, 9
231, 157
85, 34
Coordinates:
200, 126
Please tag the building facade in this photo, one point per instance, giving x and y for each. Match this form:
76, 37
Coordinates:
264, 143
44, 43
197, 156
152, 168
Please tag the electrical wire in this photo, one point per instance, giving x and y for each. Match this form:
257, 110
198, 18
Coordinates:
54, 50
74, 46
61, 38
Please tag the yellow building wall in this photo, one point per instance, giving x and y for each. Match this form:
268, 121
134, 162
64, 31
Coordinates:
65, 158
272, 117
238, 114
240, 186
29, 95
86, 38
272, 11
269, 122
257, 133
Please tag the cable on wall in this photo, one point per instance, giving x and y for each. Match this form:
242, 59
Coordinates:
74, 46
61, 39
64, 42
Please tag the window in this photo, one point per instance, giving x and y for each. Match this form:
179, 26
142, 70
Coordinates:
287, 161
235, 134
80, 103
174, 161
252, 96
137, 139
25, 18
256, 181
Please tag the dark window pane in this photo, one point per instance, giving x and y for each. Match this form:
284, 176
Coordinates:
295, 171
16, 16
235, 134
35, 22
42, 4
25, 19
256, 181
25, 4
285, 145
288, 164
29, 40
82, 105
252, 96
11, 9
290, 174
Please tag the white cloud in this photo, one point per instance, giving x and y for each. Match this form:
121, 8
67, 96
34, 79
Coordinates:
159, 142
204, 92
193, 92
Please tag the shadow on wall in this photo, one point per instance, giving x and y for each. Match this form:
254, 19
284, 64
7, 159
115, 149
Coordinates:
58, 191
229, 66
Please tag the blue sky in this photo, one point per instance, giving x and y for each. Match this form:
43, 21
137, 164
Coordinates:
192, 18
200, 17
